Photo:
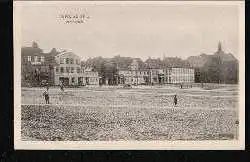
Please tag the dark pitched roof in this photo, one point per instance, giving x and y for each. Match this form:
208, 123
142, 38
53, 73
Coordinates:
30, 51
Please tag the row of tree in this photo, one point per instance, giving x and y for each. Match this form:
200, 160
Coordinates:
217, 71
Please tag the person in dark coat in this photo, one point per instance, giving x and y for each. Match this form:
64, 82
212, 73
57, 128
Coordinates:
175, 100
61, 86
46, 95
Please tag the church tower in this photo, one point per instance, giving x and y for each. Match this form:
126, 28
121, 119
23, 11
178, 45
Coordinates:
219, 47
164, 56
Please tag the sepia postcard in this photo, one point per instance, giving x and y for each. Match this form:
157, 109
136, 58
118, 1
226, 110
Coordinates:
93, 75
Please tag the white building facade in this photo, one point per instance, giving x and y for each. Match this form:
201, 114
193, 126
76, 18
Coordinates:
179, 75
70, 72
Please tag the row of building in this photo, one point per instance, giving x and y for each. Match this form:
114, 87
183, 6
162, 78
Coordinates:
56, 67
170, 75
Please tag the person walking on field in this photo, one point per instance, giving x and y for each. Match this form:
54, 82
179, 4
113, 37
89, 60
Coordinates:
61, 86
46, 95
175, 100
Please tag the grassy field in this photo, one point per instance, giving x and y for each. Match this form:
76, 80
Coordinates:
95, 113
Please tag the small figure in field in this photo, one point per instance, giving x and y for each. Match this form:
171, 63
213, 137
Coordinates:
61, 86
46, 95
175, 100
181, 86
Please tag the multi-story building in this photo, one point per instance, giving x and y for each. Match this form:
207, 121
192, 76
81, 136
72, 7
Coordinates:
68, 68
36, 66
156, 76
179, 75
54, 67
70, 72
90, 77
133, 75
174, 75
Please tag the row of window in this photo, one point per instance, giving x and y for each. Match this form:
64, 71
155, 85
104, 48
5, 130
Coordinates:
73, 70
180, 79
182, 70
93, 80
35, 58
134, 80
67, 70
90, 80
80, 80
134, 72
91, 73
69, 61
176, 71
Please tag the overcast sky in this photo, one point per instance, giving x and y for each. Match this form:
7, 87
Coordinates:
134, 30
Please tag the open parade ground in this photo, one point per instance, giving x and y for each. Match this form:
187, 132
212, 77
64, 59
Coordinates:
140, 113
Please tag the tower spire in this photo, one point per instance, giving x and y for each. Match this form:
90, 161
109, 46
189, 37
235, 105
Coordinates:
164, 56
219, 46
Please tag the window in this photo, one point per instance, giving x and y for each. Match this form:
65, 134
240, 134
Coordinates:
56, 69
72, 69
78, 70
62, 70
29, 58
67, 60
71, 61
61, 61
67, 69
42, 58
43, 69
35, 58
38, 59
73, 80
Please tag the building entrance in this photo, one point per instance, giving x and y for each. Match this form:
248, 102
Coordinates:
64, 80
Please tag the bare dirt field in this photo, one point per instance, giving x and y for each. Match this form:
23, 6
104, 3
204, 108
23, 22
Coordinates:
140, 113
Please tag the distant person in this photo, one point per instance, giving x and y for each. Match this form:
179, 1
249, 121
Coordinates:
175, 100
61, 86
181, 86
46, 95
